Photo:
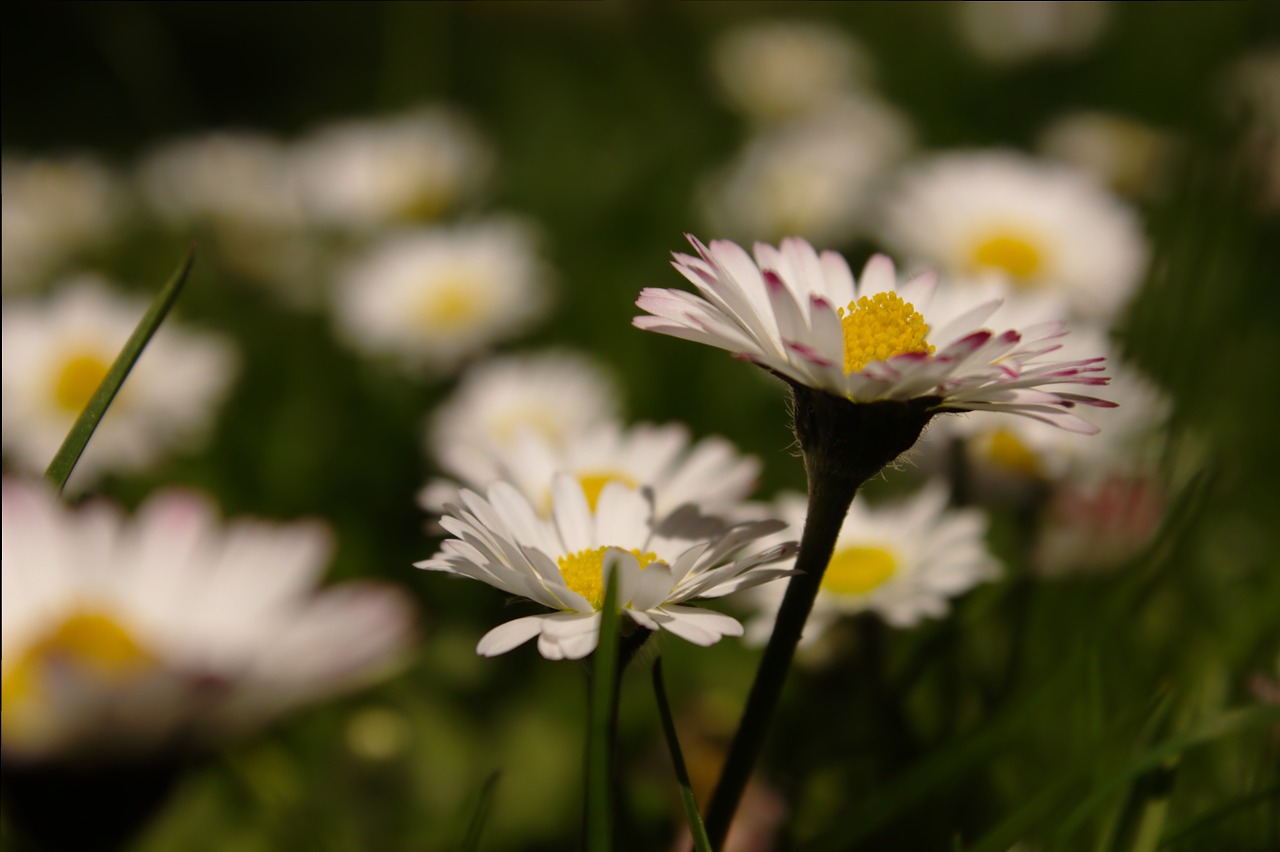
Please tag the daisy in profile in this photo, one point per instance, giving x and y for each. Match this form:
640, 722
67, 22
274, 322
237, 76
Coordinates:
773, 70
432, 298
802, 316
371, 173
556, 395
812, 176
903, 561
560, 562
710, 473
58, 350
172, 628
1037, 225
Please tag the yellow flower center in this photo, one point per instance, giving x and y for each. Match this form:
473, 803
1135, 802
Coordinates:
594, 482
86, 642
879, 327
858, 570
1016, 253
584, 572
1007, 450
77, 379
452, 303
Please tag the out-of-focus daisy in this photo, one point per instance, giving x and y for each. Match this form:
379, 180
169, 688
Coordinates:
802, 316
58, 350
171, 630
52, 209
432, 298
774, 70
367, 174
1121, 152
903, 561
1010, 33
1038, 225
710, 473
560, 563
1092, 526
815, 176
556, 394
1251, 93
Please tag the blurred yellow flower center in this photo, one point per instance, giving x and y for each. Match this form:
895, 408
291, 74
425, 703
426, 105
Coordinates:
595, 481
425, 206
77, 379
1015, 253
879, 327
540, 421
86, 642
858, 570
1007, 450
451, 303
584, 572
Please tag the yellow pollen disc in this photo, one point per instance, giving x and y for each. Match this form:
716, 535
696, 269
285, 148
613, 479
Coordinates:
858, 570
77, 379
1015, 253
594, 482
86, 642
584, 572
879, 327
450, 304
1008, 451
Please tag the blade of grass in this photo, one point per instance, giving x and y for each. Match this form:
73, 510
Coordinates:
59, 470
696, 828
604, 704
1204, 822
471, 843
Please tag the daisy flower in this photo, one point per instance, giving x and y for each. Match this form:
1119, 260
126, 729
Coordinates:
774, 70
710, 473
56, 353
434, 297
560, 561
802, 316
171, 630
371, 173
556, 394
1010, 33
903, 561
812, 176
1038, 225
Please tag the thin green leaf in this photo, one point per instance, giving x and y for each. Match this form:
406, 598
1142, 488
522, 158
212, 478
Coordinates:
472, 841
604, 700
1204, 822
700, 841
59, 470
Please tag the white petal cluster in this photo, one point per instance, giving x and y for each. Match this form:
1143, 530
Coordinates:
57, 350
779, 309
925, 555
502, 540
172, 627
433, 297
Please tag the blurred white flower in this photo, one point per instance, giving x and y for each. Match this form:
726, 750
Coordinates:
58, 349
556, 394
367, 174
433, 298
1095, 525
560, 562
710, 473
773, 70
123, 636
1251, 93
903, 561
1123, 153
1001, 214
815, 176
1006, 33
52, 209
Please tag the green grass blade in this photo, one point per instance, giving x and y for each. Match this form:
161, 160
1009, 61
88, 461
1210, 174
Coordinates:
77, 439
1176, 837
700, 841
604, 702
471, 843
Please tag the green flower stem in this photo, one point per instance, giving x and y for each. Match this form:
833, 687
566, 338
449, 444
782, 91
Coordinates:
697, 830
844, 444
605, 680
59, 470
